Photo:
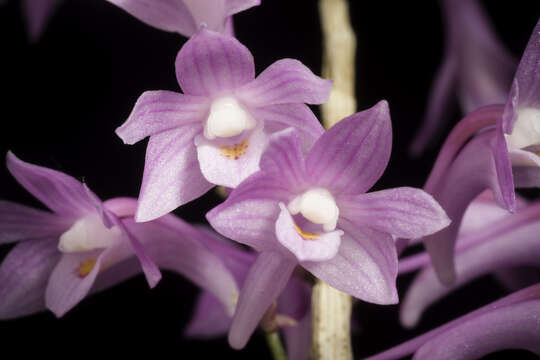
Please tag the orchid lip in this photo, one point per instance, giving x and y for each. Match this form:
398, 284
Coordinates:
227, 118
87, 233
318, 206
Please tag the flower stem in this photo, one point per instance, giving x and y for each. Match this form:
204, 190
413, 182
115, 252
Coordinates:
275, 345
331, 309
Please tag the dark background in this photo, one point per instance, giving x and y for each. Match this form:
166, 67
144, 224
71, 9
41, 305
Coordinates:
64, 96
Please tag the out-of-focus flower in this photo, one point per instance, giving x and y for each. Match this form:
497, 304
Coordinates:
186, 16
311, 210
216, 131
37, 14
293, 305
508, 323
61, 255
476, 67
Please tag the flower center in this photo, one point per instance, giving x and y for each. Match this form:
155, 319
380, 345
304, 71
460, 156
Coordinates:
87, 233
526, 131
227, 119
318, 206
234, 151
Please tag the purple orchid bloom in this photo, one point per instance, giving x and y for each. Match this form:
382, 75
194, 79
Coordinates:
504, 324
506, 243
86, 246
186, 16
476, 66
311, 210
37, 14
216, 131
293, 305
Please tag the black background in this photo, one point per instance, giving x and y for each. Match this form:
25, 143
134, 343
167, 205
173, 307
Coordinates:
63, 97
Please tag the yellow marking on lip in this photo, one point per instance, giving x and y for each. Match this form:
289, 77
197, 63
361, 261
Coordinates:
306, 235
86, 267
234, 151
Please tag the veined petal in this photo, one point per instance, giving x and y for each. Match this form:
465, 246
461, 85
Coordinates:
286, 81
266, 279
351, 156
211, 64
525, 90
324, 247
168, 15
37, 14
365, 266
172, 176
250, 212
209, 318
228, 163
23, 277
284, 158
298, 116
19, 222
403, 212
157, 111
505, 194
59, 192
235, 6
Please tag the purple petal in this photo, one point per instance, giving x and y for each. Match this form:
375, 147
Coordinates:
324, 247
511, 327
59, 192
525, 90
230, 163
526, 176
18, 222
266, 279
211, 64
168, 15
157, 111
403, 212
37, 14
365, 266
250, 212
235, 6
23, 277
286, 81
209, 318
351, 156
503, 166
284, 158
298, 116
172, 176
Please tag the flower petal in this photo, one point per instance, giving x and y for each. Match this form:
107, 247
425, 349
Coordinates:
266, 279
324, 247
235, 6
37, 14
365, 266
228, 164
212, 64
168, 15
209, 318
286, 81
403, 212
19, 222
250, 212
157, 111
526, 176
59, 192
23, 277
351, 156
525, 90
172, 176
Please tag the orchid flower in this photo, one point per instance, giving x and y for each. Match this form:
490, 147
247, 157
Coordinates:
476, 66
508, 323
61, 255
186, 16
506, 243
216, 131
293, 306
311, 210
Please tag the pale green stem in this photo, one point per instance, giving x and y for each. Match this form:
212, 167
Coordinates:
275, 345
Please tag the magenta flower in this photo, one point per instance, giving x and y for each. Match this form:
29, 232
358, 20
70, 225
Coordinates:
215, 132
311, 210
508, 323
476, 68
186, 16
86, 245
292, 312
